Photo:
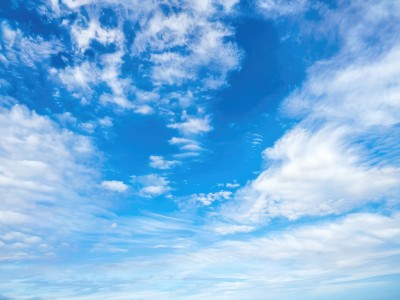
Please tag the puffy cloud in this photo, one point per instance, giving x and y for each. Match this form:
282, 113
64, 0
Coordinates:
341, 155
45, 175
151, 185
84, 35
208, 199
19, 49
114, 185
316, 173
158, 162
189, 45
200, 39
192, 126
364, 93
79, 78
176, 43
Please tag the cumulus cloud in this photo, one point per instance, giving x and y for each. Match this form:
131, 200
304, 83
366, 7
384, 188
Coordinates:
151, 185
114, 185
340, 156
192, 126
363, 93
189, 45
80, 79
316, 173
202, 39
25, 50
208, 199
158, 162
45, 174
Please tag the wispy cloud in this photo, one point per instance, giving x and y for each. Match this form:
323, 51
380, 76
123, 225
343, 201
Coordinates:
45, 173
332, 161
309, 260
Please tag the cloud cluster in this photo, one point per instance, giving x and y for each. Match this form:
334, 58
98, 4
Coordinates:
341, 154
161, 58
45, 173
209, 198
330, 257
187, 46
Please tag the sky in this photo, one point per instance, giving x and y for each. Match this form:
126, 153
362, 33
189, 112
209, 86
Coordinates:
199, 149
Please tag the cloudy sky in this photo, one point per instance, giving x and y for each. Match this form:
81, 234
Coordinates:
199, 149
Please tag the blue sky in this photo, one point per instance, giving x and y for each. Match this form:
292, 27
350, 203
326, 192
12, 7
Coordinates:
218, 149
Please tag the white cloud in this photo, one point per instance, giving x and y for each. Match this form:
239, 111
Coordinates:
192, 126
20, 49
105, 122
310, 260
208, 199
115, 186
158, 162
185, 144
232, 185
80, 78
202, 37
84, 35
188, 147
165, 32
316, 173
144, 109
365, 92
340, 156
45, 175
151, 185
225, 229
280, 8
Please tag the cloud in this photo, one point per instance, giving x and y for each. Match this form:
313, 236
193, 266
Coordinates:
115, 186
311, 260
151, 185
281, 8
201, 42
208, 199
158, 162
364, 92
341, 154
180, 45
79, 78
144, 110
84, 35
230, 185
316, 173
24, 50
225, 229
46, 173
185, 144
192, 126
188, 46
